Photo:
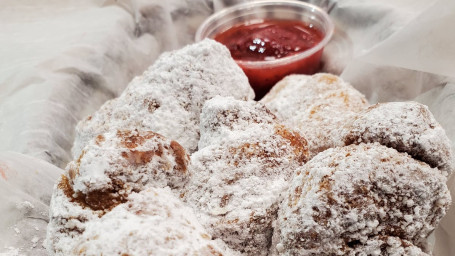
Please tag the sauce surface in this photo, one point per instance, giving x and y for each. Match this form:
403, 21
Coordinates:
269, 39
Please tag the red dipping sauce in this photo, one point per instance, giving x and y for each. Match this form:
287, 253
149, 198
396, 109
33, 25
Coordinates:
268, 41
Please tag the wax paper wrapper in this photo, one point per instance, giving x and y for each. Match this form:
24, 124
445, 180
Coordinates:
60, 60
25, 190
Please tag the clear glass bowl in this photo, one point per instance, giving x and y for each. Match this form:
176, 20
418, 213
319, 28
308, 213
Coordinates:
263, 74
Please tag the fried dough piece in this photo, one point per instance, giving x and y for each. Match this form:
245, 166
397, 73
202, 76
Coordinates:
111, 167
168, 97
225, 116
116, 163
317, 105
245, 163
346, 196
405, 126
152, 222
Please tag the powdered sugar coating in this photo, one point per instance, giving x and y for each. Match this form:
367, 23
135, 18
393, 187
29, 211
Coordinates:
119, 162
225, 116
344, 196
377, 246
387, 245
406, 126
168, 97
317, 105
67, 221
152, 222
237, 180
111, 167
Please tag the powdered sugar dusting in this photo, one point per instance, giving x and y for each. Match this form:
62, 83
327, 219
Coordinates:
152, 222
67, 220
344, 197
387, 245
111, 167
237, 180
168, 97
317, 105
222, 117
406, 126
128, 160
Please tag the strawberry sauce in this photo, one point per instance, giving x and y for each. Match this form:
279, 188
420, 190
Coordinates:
269, 40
